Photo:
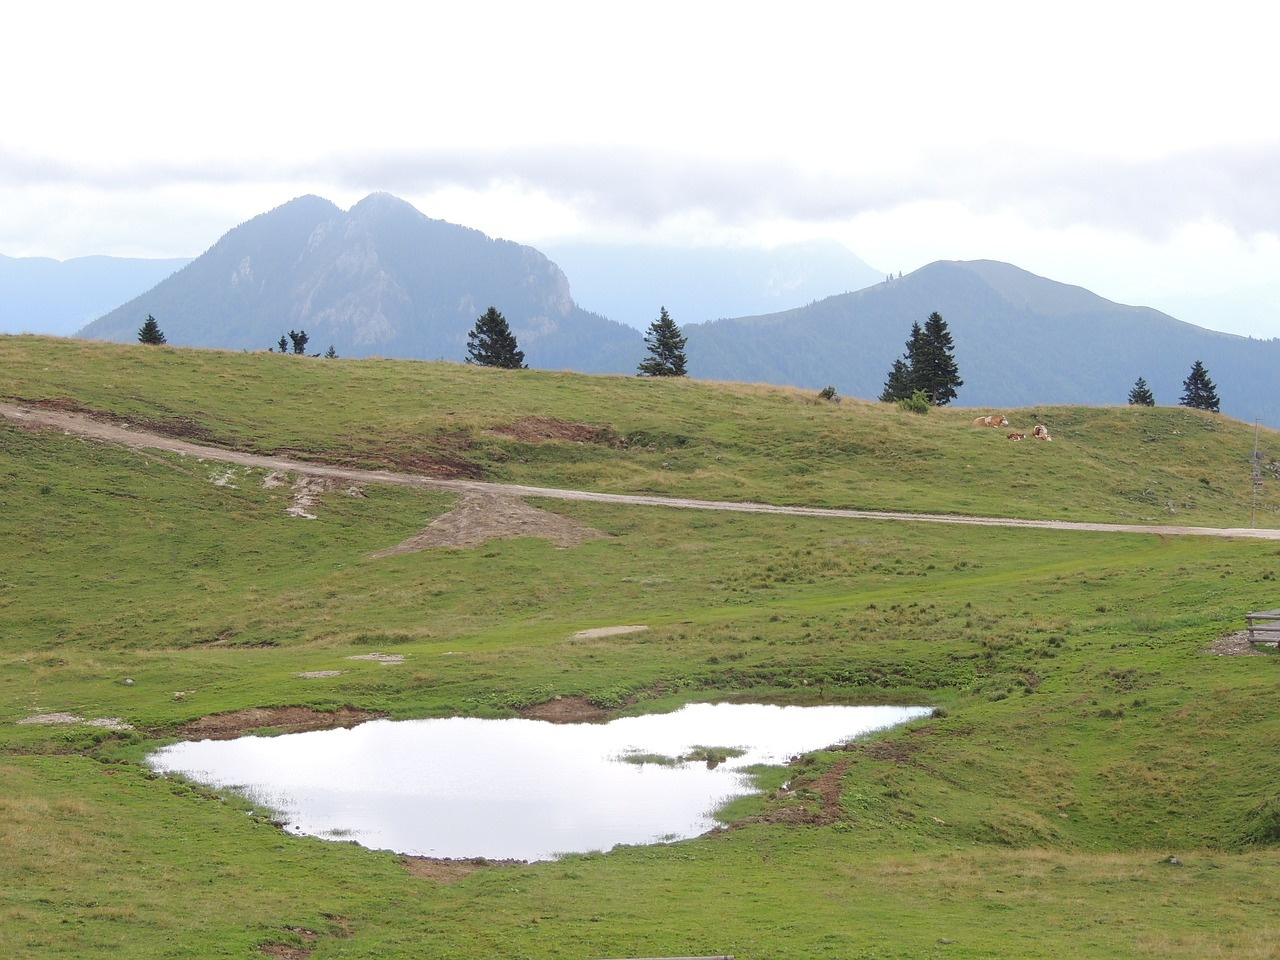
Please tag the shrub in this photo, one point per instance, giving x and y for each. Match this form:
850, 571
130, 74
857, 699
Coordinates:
918, 402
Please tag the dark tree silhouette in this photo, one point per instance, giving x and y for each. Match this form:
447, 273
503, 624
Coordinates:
928, 366
1141, 395
666, 349
1198, 390
492, 344
150, 332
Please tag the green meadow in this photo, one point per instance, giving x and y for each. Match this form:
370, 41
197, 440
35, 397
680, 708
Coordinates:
1083, 733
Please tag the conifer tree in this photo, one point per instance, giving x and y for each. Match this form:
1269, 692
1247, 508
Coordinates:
1198, 390
898, 385
934, 371
299, 339
666, 349
492, 344
150, 332
1141, 395
928, 366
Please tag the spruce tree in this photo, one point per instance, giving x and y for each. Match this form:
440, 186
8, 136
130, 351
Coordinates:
666, 349
1141, 395
934, 371
928, 366
150, 332
492, 344
299, 339
898, 385
1198, 390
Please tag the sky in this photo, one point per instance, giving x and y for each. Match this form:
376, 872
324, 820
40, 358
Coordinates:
1132, 148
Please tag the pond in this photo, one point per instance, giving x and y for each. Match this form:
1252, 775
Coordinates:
518, 789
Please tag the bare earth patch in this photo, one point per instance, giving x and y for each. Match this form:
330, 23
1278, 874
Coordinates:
566, 710
605, 632
319, 674
443, 870
52, 718
226, 726
540, 429
109, 723
1234, 645
386, 658
482, 516
307, 491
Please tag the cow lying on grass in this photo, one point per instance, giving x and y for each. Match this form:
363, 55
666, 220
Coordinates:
996, 421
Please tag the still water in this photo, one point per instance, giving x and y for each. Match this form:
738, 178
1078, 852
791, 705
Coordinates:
521, 789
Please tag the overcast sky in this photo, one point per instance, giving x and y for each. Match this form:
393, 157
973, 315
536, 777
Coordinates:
1131, 148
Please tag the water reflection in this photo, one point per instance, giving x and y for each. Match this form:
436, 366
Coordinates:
523, 789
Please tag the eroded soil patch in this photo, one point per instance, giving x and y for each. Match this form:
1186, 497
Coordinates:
606, 632
481, 516
226, 726
443, 870
566, 710
542, 429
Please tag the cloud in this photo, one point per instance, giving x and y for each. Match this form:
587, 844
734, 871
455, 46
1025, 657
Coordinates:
1238, 188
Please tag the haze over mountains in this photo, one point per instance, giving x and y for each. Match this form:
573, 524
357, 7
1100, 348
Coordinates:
383, 279
697, 284
39, 295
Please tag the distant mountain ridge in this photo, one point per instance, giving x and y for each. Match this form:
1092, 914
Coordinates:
40, 295
379, 279
1020, 340
383, 279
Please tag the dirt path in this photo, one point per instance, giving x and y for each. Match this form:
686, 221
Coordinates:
86, 426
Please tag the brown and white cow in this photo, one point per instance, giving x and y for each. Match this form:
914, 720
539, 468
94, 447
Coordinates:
1041, 432
996, 421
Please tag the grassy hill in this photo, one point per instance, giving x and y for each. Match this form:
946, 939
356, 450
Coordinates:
1083, 732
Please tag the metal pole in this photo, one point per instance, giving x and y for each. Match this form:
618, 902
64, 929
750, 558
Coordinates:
1255, 479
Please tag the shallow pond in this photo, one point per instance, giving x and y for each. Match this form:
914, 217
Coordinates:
520, 789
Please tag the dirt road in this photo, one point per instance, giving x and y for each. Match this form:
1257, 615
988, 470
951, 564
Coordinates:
85, 426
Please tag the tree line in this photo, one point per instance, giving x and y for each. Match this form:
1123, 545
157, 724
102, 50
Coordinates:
492, 344
926, 375
1198, 391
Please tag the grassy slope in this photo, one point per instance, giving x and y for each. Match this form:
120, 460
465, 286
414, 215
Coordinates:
1087, 735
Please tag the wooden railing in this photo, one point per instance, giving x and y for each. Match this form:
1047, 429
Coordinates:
1264, 626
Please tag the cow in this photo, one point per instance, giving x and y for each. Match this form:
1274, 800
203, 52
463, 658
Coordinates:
1041, 432
997, 421
1015, 436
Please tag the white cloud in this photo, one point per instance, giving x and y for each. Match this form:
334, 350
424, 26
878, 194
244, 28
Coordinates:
1063, 139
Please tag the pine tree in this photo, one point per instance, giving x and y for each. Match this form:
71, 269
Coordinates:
1141, 395
150, 333
898, 385
283, 344
1198, 390
928, 366
934, 370
492, 344
331, 354
666, 349
299, 339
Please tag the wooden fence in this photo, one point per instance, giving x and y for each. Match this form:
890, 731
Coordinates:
1264, 626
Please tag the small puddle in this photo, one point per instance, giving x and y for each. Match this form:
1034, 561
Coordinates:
518, 789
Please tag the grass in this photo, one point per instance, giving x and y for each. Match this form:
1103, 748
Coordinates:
1082, 734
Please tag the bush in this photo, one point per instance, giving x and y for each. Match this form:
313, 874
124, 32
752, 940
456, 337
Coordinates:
828, 393
918, 402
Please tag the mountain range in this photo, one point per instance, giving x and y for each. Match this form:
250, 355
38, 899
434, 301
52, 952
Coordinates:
40, 295
383, 279
380, 279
